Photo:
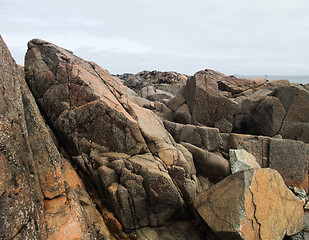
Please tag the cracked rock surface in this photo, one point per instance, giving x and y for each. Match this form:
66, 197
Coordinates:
248, 205
134, 162
41, 195
84, 157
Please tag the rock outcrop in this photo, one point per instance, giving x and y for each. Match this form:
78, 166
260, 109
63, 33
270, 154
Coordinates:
252, 106
42, 197
98, 160
139, 172
248, 205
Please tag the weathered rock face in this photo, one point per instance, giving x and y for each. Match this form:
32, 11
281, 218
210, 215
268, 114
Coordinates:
139, 172
206, 105
21, 201
252, 204
289, 157
42, 196
296, 122
251, 106
148, 171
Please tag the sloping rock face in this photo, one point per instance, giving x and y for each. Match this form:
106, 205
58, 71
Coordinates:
248, 205
21, 202
140, 173
42, 196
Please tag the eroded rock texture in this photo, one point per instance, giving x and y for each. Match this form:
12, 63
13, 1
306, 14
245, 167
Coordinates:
248, 205
123, 148
42, 197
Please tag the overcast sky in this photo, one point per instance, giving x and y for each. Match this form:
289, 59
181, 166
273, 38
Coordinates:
230, 36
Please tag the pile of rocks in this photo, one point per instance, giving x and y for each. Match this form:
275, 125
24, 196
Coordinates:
96, 160
154, 85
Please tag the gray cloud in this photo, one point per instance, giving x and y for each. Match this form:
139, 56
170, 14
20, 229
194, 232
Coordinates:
237, 36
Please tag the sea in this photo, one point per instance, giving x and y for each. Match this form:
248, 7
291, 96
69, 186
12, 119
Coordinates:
303, 79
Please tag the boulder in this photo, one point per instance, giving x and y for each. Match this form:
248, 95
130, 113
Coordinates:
207, 105
294, 99
251, 204
153, 94
242, 160
258, 146
266, 117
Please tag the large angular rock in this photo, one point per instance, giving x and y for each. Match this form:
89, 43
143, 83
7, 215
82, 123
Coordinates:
252, 204
289, 157
295, 101
207, 105
108, 137
42, 196
266, 117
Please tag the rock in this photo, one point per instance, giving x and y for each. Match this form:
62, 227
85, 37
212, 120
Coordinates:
88, 100
267, 117
183, 115
121, 147
205, 102
166, 81
200, 136
208, 164
258, 146
290, 159
21, 199
294, 99
42, 196
153, 94
224, 126
251, 204
163, 111
171, 230
242, 160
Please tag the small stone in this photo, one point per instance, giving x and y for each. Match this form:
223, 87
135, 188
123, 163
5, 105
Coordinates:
242, 160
